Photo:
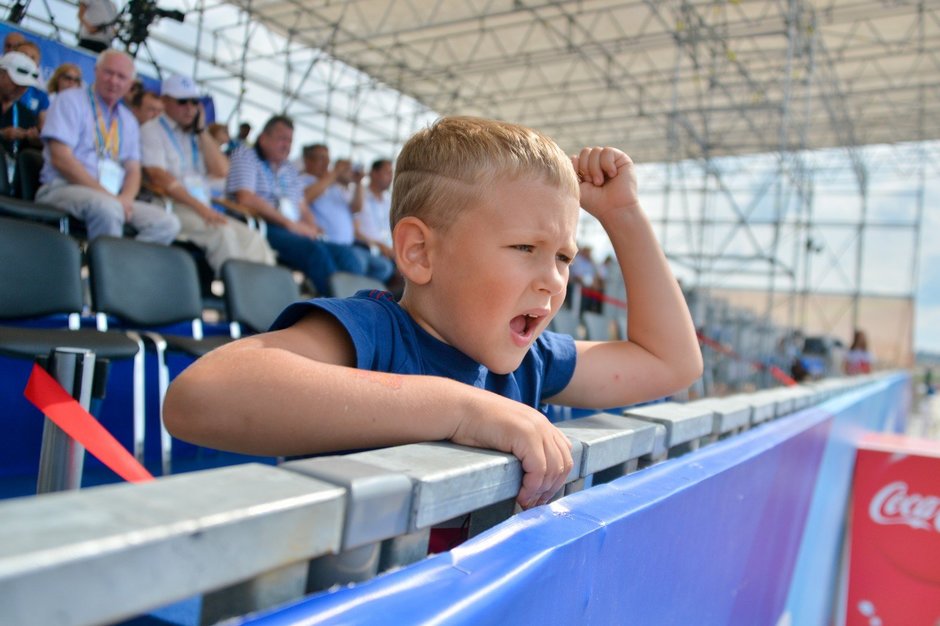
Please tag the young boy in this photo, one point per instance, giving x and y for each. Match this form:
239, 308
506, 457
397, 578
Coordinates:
484, 218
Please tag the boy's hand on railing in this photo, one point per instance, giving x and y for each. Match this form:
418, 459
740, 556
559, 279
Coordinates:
506, 425
608, 181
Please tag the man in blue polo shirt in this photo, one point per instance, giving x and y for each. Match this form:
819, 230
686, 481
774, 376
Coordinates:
92, 157
333, 196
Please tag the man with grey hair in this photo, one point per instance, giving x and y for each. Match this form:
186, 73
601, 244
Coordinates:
12, 40
92, 157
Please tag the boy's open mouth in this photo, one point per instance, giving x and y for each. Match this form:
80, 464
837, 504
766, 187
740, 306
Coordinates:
524, 325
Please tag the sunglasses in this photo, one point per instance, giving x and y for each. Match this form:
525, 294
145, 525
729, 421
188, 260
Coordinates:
185, 101
71, 77
26, 72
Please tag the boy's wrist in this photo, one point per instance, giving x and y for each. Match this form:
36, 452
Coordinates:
627, 212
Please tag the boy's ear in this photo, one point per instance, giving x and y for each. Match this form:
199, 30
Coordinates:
412, 238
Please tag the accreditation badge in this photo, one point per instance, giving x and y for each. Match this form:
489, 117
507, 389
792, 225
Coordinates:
11, 168
110, 175
288, 208
197, 187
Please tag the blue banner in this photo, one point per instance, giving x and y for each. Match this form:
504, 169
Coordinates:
713, 537
55, 53
708, 538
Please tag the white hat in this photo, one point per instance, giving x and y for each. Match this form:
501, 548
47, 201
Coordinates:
180, 87
21, 69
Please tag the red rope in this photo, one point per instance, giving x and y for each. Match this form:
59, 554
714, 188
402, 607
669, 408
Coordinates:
49, 397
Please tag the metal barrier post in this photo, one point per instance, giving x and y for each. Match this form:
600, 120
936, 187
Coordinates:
61, 458
263, 591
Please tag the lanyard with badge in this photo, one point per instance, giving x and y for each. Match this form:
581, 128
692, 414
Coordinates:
15, 144
108, 148
194, 182
286, 205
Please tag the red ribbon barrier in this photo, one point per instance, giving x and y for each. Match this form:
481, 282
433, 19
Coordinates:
717, 346
49, 397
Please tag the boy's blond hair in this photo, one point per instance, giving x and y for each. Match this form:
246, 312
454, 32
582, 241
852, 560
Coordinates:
445, 168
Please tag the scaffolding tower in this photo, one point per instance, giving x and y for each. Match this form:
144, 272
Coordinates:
788, 147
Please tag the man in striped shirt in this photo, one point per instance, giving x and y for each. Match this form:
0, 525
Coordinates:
262, 179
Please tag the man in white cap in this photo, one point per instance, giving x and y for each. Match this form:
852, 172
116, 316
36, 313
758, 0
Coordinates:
180, 157
18, 125
36, 99
92, 157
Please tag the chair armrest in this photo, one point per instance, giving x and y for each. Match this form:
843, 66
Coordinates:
234, 207
157, 190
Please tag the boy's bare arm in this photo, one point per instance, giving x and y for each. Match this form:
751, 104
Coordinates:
293, 392
662, 355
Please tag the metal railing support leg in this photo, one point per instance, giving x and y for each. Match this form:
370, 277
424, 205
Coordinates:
61, 458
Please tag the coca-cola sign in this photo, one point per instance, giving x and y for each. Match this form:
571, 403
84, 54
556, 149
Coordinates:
893, 504
895, 533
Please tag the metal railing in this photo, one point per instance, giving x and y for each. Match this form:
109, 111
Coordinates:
253, 536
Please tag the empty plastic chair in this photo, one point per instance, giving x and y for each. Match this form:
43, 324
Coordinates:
147, 286
23, 207
566, 321
40, 275
346, 284
596, 325
255, 294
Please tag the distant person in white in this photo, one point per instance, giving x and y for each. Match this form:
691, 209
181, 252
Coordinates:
372, 222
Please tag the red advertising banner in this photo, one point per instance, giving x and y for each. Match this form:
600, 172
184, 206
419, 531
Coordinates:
894, 558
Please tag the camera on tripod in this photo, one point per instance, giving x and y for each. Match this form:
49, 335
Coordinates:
135, 19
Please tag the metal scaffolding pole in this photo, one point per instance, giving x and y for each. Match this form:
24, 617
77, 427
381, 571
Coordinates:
754, 112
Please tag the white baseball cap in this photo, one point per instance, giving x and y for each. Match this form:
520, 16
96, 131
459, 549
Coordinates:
180, 87
21, 69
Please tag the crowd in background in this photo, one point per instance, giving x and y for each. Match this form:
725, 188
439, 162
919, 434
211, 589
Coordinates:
127, 161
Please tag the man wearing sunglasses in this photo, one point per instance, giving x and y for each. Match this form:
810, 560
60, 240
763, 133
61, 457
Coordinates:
92, 157
18, 125
180, 158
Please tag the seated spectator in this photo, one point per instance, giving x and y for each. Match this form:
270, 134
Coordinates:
145, 105
92, 157
585, 272
19, 127
244, 129
66, 76
35, 98
263, 180
219, 132
372, 222
328, 195
96, 26
180, 157
858, 360
485, 215
12, 40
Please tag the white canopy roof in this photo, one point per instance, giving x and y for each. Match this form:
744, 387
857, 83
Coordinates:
663, 80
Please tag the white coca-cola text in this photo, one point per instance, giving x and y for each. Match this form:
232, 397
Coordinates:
894, 505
